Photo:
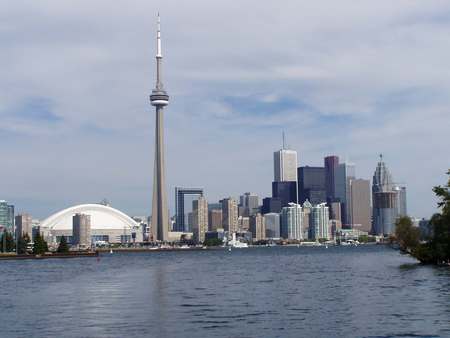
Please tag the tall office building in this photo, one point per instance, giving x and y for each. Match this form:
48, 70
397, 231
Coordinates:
258, 227
159, 99
6, 216
335, 211
285, 165
200, 218
344, 173
243, 223
319, 222
272, 223
360, 210
180, 216
229, 214
271, 205
24, 225
385, 200
81, 230
330, 163
249, 202
285, 191
292, 222
215, 219
401, 200
311, 185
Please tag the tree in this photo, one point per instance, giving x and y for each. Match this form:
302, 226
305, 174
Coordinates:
22, 244
213, 242
40, 246
406, 234
7, 242
63, 247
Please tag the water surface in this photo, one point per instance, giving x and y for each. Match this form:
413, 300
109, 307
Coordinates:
365, 291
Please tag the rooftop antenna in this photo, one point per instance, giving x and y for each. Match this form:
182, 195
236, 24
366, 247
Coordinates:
381, 157
284, 141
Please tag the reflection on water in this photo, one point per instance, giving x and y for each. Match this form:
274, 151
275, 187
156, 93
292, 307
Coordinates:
367, 291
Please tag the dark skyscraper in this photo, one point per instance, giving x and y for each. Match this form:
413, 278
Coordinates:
330, 163
311, 185
285, 191
271, 205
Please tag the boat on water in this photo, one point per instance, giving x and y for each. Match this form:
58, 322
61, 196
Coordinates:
235, 243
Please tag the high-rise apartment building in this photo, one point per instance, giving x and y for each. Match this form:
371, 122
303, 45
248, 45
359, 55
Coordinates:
243, 223
344, 173
258, 227
229, 214
200, 219
272, 223
24, 225
311, 185
401, 200
6, 216
292, 222
285, 165
307, 207
319, 222
81, 230
360, 210
330, 163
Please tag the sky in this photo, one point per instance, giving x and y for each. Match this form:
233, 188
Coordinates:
350, 78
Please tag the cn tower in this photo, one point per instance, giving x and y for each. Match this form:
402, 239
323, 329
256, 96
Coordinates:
159, 99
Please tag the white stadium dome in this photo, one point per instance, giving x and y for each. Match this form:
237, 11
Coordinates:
102, 218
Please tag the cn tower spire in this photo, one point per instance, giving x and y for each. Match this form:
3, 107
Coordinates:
159, 99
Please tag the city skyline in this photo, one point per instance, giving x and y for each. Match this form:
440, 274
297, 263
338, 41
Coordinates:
93, 132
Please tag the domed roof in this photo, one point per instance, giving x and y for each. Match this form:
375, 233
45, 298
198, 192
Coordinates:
102, 217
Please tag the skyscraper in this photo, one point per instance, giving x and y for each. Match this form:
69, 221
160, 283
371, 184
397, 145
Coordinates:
180, 194
272, 223
214, 219
159, 99
258, 227
229, 214
285, 165
249, 202
402, 209
319, 222
384, 199
360, 204
285, 191
344, 173
331, 163
6, 216
24, 225
311, 185
292, 222
200, 218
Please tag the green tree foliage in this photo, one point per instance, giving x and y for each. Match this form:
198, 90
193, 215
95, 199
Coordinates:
437, 249
40, 246
63, 247
22, 244
7, 243
406, 234
213, 242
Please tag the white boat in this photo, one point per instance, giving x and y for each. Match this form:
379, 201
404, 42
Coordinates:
236, 243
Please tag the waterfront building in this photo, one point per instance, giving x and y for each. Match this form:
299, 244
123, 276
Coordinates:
159, 99
258, 227
23, 225
229, 214
311, 185
81, 230
319, 222
243, 223
335, 226
330, 163
285, 165
271, 205
107, 225
292, 222
385, 200
360, 210
6, 216
180, 214
285, 191
344, 173
200, 219
215, 219
272, 224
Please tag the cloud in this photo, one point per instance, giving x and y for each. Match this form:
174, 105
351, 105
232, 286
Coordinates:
354, 79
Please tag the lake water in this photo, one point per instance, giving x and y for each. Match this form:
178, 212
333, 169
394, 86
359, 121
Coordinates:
365, 291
